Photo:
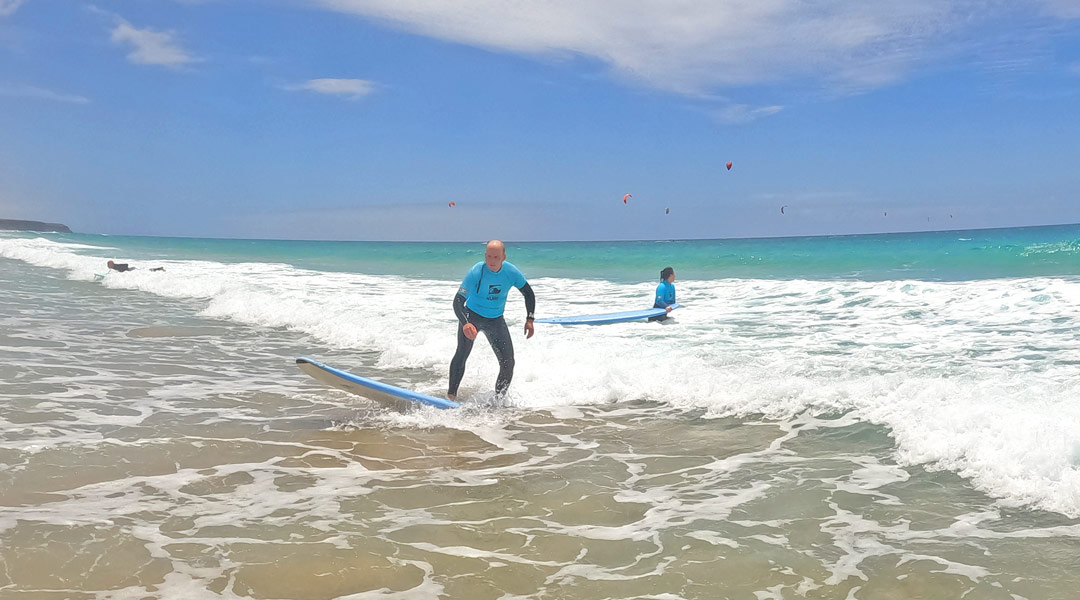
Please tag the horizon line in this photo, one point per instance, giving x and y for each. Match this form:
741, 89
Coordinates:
480, 241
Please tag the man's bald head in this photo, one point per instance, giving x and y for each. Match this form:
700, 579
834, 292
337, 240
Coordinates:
494, 255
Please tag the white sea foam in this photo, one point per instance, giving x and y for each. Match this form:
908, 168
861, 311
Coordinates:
975, 377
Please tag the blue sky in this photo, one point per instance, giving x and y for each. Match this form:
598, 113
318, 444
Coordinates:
363, 119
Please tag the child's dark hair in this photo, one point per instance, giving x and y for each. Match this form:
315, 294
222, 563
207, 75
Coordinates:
667, 272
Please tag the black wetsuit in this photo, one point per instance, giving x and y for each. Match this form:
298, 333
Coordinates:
122, 267
498, 334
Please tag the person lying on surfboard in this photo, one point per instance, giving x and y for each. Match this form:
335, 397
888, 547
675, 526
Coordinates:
665, 292
479, 305
114, 266
121, 267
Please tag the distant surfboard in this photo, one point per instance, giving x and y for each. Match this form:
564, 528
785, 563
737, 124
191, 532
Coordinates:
605, 318
390, 395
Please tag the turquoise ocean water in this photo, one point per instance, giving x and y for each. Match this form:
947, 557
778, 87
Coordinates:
850, 417
936, 256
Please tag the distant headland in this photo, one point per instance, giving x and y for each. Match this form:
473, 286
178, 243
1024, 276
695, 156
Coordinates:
17, 225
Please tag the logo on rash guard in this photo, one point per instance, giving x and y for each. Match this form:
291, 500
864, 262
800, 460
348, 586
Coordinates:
494, 291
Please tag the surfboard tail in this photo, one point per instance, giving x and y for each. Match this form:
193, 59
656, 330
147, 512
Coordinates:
384, 393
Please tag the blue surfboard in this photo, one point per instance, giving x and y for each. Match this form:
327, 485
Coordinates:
605, 318
384, 393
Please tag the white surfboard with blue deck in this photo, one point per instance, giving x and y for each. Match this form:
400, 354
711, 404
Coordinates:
378, 391
605, 318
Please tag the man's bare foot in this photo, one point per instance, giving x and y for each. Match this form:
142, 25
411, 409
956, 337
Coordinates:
451, 397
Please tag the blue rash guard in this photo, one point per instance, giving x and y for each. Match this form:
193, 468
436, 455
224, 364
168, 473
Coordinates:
485, 291
665, 295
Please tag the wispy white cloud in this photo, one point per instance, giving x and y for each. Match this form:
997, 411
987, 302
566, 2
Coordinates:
688, 46
742, 113
1065, 9
353, 89
29, 91
8, 7
694, 46
149, 47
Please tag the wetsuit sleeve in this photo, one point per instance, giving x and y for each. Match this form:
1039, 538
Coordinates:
530, 299
660, 300
459, 308
462, 295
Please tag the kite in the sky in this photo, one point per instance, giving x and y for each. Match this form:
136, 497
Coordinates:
625, 197
452, 204
729, 165
782, 208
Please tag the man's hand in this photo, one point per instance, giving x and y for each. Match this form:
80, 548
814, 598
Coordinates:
528, 328
667, 308
469, 330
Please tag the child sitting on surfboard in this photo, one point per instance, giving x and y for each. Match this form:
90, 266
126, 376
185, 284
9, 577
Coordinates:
665, 293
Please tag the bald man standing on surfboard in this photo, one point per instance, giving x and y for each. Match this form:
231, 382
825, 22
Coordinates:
479, 306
